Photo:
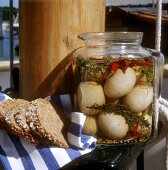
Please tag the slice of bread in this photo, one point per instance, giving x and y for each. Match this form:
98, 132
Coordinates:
5, 106
13, 126
44, 120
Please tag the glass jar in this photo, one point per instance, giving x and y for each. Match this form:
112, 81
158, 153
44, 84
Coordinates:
117, 82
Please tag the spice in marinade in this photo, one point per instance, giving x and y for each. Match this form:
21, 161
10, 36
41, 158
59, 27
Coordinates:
104, 67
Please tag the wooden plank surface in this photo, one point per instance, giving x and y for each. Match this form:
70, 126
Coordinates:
149, 18
48, 32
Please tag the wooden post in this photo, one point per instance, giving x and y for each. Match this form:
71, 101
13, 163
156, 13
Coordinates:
48, 32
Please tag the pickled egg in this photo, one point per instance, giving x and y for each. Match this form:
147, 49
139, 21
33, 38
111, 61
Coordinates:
120, 83
113, 126
88, 94
139, 98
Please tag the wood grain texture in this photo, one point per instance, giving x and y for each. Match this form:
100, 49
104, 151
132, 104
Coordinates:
48, 33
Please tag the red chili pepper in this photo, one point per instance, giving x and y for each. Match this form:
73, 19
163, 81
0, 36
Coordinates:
106, 73
126, 65
123, 64
114, 67
133, 131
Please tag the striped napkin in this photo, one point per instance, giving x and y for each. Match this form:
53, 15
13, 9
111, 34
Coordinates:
18, 154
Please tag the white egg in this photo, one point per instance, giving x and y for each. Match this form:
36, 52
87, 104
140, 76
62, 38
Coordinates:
120, 83
88, 94
140, 97
113, 126
90, 126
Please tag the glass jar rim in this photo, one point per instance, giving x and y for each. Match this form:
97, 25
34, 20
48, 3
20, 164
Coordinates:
113, 36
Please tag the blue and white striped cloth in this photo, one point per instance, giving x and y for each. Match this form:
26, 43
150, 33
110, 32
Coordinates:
17, 154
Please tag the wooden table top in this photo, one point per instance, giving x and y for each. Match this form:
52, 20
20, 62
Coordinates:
145, 14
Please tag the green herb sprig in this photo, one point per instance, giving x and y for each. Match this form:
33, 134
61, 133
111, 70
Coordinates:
131, 117
94, 67
148, 73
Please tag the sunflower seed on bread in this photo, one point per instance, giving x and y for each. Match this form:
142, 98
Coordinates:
44, 120
13, 126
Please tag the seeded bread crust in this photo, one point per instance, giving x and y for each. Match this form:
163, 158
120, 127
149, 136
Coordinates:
20, 119
5, 106
43, 119
13, 126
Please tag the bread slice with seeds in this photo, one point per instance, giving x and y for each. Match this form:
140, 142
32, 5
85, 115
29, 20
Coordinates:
13, 126
20, 119
5, 106
45, 121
